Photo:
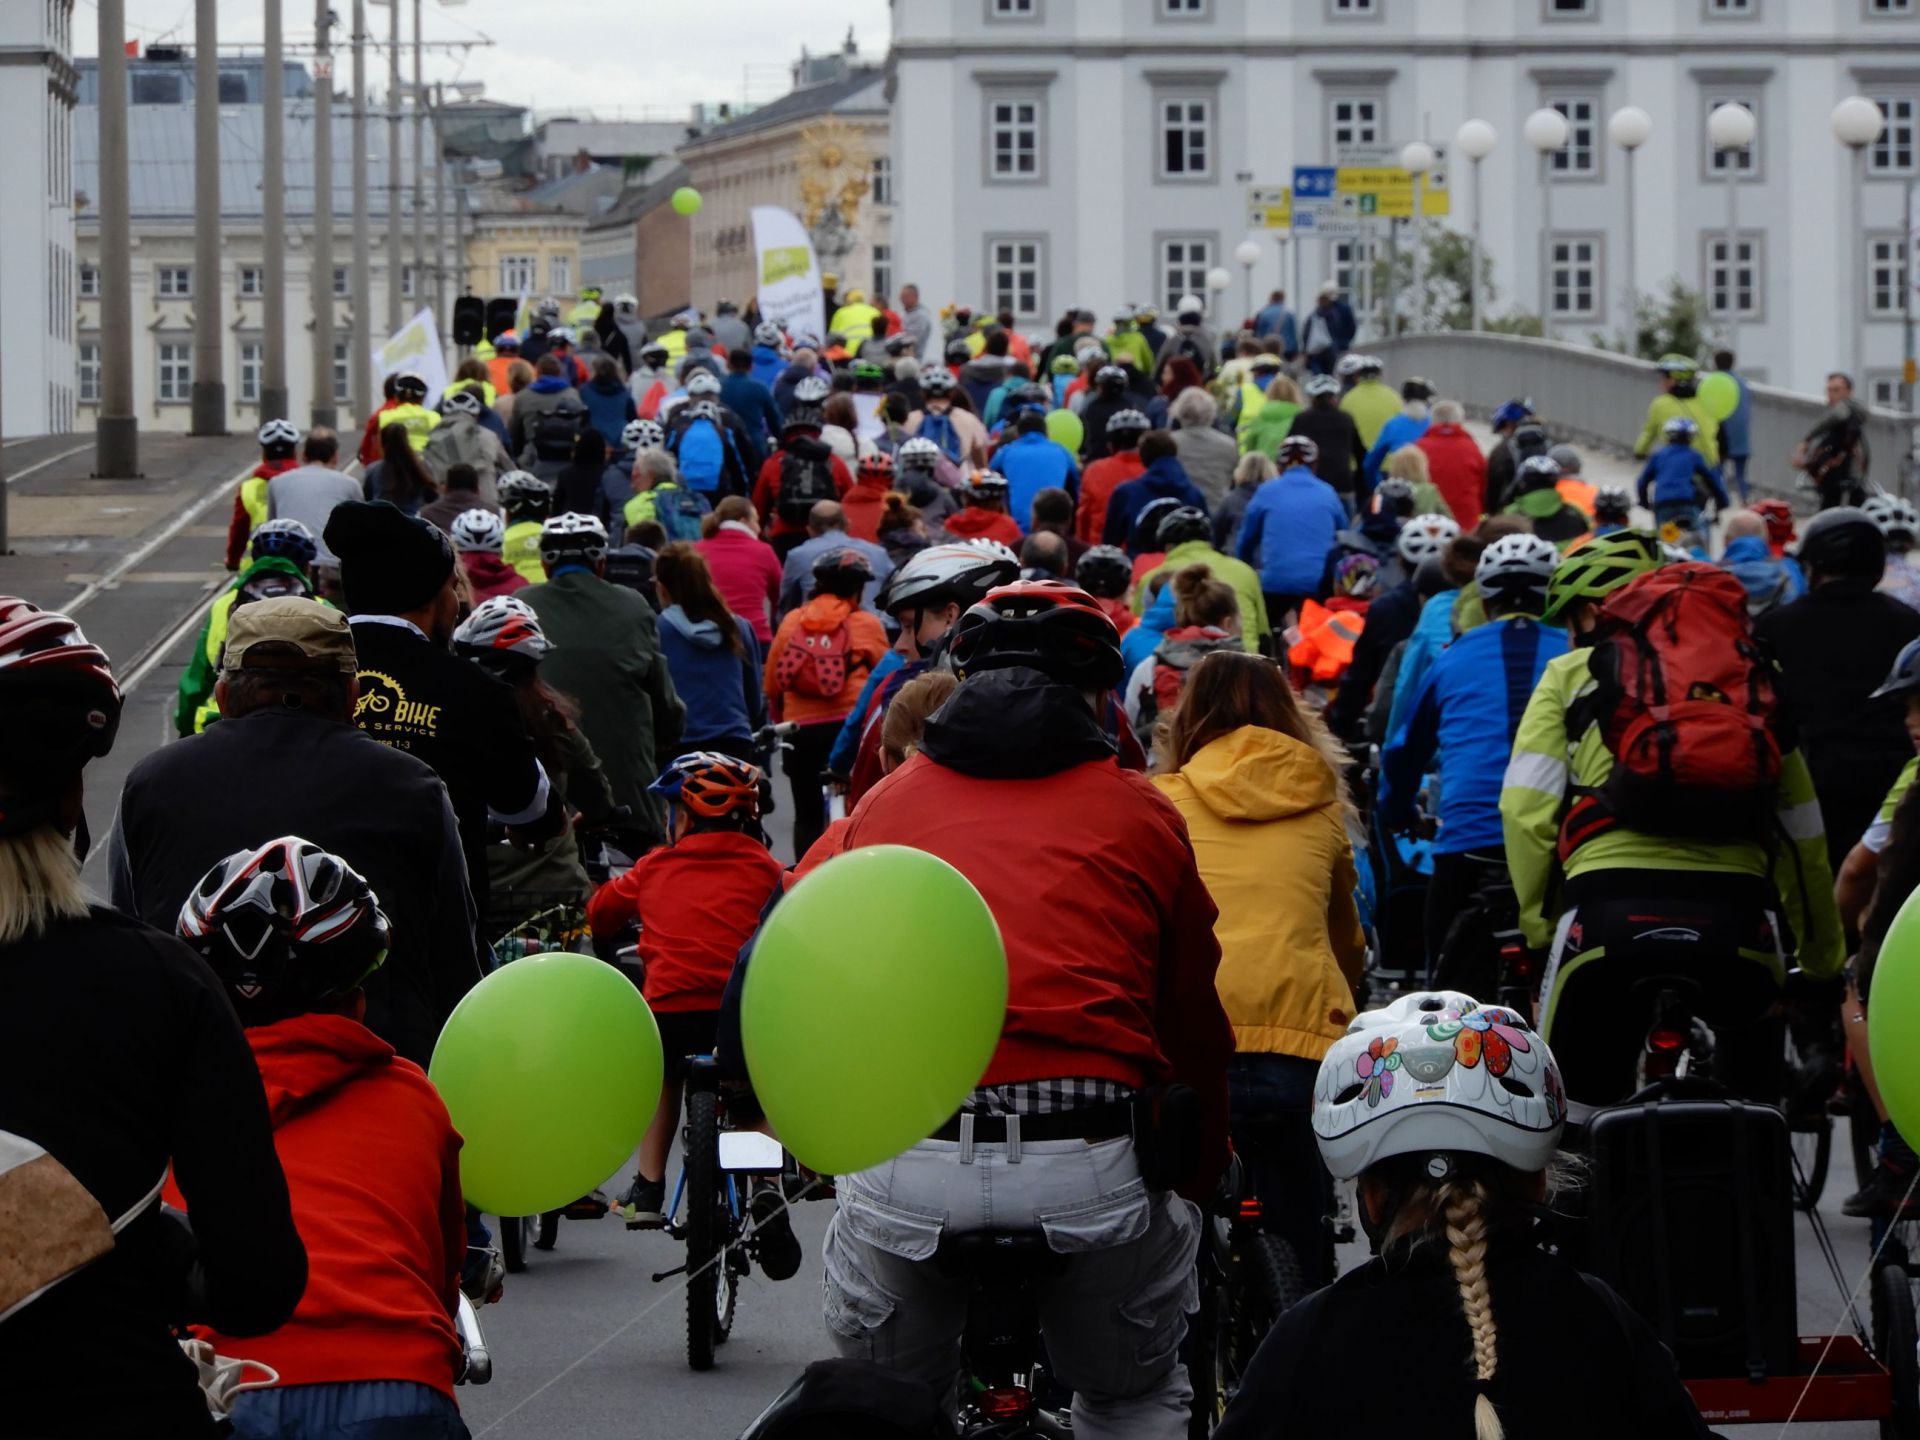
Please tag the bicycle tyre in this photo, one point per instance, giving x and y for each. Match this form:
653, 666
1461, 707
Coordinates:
513, 1243
1810, 1179
1199, 1353
703, 1227
1896, 1344
1264, 1281
1863, 1131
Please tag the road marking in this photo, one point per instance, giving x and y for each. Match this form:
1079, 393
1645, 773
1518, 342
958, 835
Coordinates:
179, 522
144, 663
39, 465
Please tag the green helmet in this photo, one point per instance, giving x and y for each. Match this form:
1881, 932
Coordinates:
1064, 365
1600, 567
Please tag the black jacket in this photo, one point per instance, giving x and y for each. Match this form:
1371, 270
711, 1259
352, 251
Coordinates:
1574, 1361
120, 1056
1341, 452
277, 772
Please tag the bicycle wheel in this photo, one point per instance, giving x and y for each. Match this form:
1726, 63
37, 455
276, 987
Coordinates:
1263, 1282
1812, 1138
513, 1243
707, 1280
1896, 1344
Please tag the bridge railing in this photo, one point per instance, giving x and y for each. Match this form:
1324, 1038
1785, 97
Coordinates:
1600, 398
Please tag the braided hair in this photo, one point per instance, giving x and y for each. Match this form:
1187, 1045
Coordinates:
1463, 1207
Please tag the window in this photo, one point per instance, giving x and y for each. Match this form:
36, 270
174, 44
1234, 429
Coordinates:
1013, 9
342, 373
174, 282
1352, 9
253, 281
1184, 262
883, 270
1734, 291
159, 87
1573, 276
1878, 8
1580, 156
1572, 9
883, 179
175, 384
1746, 162
1013, 138
1354, 120
560, 274
1183, 9
1186, 144
519, 274
1352, 266
1886, 277
1014, 274
253, 359
1892, 153
89, 372
1884, 390
233, 87
1727, 10
409, 282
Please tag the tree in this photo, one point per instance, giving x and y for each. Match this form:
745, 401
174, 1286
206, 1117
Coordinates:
1677, 321
1444, 259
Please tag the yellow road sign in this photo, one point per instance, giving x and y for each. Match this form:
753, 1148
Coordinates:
1270, 207
1388, 190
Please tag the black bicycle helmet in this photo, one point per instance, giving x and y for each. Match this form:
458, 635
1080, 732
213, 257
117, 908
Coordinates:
841, 572
1843, 543
1145, 535
1394, 496
1179, 526
1104, 572
1045, 625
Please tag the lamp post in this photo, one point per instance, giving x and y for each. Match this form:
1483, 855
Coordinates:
1731, 128
1857, 123
1475, 140
1546, 132
1629, 128
1247, 252
1218, 279
1417, 158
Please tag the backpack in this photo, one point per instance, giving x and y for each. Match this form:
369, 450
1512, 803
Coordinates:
815, 662
1188, 347
1685, 702
678, 511
941, 431
804, 481
555, 430
701, 451
1171, 662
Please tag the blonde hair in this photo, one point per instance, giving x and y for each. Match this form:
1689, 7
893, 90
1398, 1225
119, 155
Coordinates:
39, 883
908, 712
1254, 467
1464, 1211
1409, 462
1281, 387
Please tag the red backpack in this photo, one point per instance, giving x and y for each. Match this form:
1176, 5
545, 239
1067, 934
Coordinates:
1686, 705
815, 662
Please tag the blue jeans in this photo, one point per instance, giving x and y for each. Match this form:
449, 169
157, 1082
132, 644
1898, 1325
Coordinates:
348, 1410
1736, 469
1270, 1100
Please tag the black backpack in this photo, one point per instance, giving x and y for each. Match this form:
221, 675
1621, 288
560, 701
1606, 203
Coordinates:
556, 430
805, 480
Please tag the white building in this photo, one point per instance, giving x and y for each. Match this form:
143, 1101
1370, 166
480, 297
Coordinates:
37, 93
1056, 152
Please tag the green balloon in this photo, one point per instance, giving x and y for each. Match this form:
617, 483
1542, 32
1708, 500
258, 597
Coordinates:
1719, 394
550, 1068
872, 1006
1893, 1020
686, 200
1064, 428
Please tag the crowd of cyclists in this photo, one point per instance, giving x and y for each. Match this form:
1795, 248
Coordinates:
1185, 650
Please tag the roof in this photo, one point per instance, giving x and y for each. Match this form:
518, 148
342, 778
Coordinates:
860, 93
610, 139
635, 203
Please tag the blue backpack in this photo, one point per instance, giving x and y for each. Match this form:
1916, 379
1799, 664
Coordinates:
701, 450
940, 430
679, 511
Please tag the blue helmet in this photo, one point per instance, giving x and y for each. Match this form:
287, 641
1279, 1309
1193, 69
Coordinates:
1680, 428
287, 540
1904, 678
1512, 413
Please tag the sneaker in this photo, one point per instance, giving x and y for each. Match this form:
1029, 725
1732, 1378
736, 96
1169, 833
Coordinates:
643, 1207
1884, 1197
774, 1245
590, 1206
484, 1274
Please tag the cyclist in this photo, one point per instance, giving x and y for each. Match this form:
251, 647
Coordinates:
1769, 579
1391, 616
1118, 463
371, 1158
1186, 538
1290, 525
527, 499
985, 516
1612, 509
1453, 1170
1105, 572
1108, 998
1679, 398
711, 653
918, 463
478, 536
119, 1058
1465, 712
1676, 482
1729, 898
1206, 618
283, 555
1537, 497
1259, 782
279, 441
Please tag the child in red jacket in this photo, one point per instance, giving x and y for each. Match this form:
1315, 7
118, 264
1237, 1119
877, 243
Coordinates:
371, 1159
278, 442
697, 899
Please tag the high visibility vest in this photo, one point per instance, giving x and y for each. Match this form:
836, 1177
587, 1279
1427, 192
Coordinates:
1327, 637
855, 323
676, 342
419, 420
583, 316
253, 495
520, 548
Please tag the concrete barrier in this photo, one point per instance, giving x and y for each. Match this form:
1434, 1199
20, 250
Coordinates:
1597, 397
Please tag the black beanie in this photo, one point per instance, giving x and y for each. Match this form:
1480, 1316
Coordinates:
390, 562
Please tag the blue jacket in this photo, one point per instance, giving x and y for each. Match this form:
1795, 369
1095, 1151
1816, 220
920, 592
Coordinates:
1432, 633
1277, 319
1033, 463
1401, 430
1467, 709
1288, 531
1736, 431
490, 420
846, 748
1769, 579
753, 403
1676, 475
721, 690
1164, 479
609, 408
768, 366
1144, 638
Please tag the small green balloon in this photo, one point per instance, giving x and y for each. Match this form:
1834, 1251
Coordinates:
863, 1039
1893, 1020
1064, 428
1719, 394
550, 1068
686, 200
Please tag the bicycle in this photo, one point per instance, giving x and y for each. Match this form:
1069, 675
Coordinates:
1007, 1393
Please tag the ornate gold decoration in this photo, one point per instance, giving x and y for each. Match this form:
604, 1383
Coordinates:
835, 168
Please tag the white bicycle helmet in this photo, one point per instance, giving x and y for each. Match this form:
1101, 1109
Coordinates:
1516, 565
279, 432
501, 626
1322, 385
1680, 428
522, 485
1121, 421
962, 572
477, 529
1349, 365
466, 400
560, 335
1296, 450
573, 537
1895, 516
643, 435
702, 382
1438, 1071
1426, 537
768, 334
810, 391
937, 381
917, 454
1537, 472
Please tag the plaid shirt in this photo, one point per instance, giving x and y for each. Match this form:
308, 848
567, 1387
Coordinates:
1045, 1097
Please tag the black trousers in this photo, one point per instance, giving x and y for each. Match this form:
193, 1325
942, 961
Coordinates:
812, 744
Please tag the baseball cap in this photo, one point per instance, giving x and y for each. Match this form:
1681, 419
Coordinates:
318, 632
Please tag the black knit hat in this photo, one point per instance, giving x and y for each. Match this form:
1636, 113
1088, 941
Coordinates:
390, 562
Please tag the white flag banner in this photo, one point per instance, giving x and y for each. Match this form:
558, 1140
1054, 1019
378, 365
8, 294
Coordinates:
790, 292
415, 346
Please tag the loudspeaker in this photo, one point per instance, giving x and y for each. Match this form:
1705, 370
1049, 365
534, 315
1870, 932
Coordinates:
469, 319
502, 312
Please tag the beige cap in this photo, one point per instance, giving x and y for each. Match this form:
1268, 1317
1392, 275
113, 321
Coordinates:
319, 632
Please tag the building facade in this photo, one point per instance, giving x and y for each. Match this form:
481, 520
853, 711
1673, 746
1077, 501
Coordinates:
38, 91
1048, 153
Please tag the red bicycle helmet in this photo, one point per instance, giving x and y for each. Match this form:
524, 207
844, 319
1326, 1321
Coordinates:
712, 785
1046, 625
1779, 517
59, 708
877, 465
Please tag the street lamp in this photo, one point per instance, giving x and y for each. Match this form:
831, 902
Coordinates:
1218, 279
1546, 131
1730, 128
1475, 139
1857, 123
1630, 128
1417, 158
1247, 252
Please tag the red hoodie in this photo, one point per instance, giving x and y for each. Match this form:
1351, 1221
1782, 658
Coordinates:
974, 523
864, 501
488, 575
1458, 469
1103, 477
373, 1168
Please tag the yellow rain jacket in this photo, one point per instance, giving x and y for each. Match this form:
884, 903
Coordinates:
1264, 815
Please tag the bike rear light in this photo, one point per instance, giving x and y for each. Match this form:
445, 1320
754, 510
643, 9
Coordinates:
1251, 1208
1666, 1040
1006, 1402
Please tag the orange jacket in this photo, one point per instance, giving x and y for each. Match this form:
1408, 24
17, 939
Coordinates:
823, 615
1327, 636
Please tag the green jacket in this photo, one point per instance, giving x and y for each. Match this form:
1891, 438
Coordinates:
1372, 403
606, 656
1665, 408
1548, 762
1131, 343
193, 706
1263, 433
1244, 579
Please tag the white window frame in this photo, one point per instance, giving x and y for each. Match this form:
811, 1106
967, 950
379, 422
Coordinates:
1353, 9
1748, 163
343, 371
560, 274
1553, 14
1582, 112
1013, 127
1902, 133
883, 269
519, 274
1016, 12
87, 366
1887, 9
1593, 264
881, 186
1883, 390
173, 282
1375, 126
1718, 283
1173, 116
1887, 269
1350, 263
1017, 254
250, 281
1187, 274
89, 282
250, 368
173, 371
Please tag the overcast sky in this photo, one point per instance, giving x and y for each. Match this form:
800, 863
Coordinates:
604, 55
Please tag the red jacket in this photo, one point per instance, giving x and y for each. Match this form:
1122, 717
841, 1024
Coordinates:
1459, 471
973, 523
370, 437
373, 1168
746, 572
488, 575
766, 491
863, 502
697, 901
240, 523
1103, 477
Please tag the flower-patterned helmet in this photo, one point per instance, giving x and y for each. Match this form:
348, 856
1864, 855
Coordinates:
1438, 1071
